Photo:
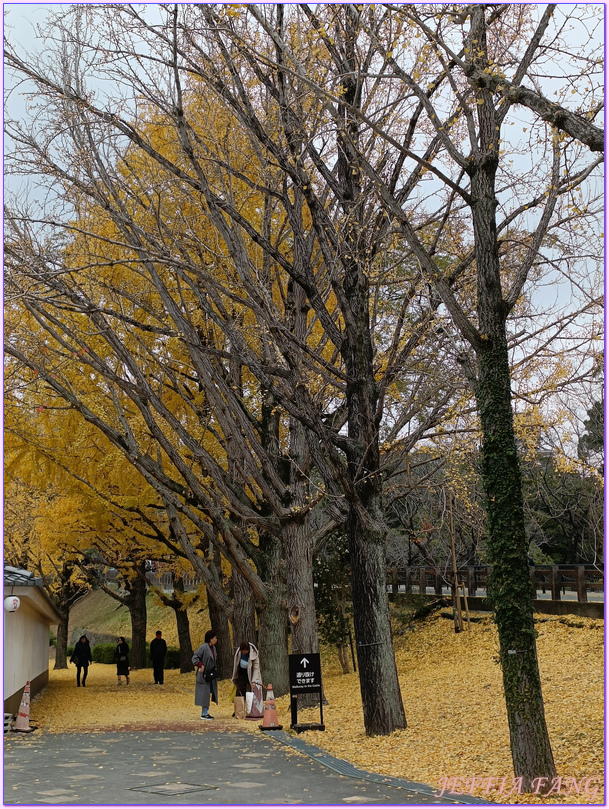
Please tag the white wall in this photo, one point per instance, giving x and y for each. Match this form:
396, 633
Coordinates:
26, 639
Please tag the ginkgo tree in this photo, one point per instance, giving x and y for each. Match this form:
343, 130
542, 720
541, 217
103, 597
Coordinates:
99, 516
454, 92
27, 546
203, 291
185, 398
348, 165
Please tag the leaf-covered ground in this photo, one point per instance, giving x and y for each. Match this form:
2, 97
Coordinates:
452, 692
453, 698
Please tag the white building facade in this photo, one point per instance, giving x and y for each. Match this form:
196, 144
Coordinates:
26, 636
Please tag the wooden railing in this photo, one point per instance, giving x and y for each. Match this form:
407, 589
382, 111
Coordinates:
165, 580
162, 580
553, 579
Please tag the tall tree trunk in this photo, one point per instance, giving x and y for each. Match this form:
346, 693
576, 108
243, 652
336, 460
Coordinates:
301, 596
135, 601
184, 641
381, 697
297, 534
511, 589
343, 656
366, 530
272, 618
273, 645
382, 701
244, 611
61, 647
224, 646
300, 593
183, 626
244, 607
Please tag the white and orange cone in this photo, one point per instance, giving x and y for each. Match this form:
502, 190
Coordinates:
269, 720
22, 725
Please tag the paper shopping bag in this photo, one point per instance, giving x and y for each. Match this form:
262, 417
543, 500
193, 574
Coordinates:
239, 708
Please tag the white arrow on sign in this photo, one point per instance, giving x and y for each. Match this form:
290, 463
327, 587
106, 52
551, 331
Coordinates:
304, 662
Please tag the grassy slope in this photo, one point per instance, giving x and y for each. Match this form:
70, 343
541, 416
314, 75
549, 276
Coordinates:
98, 612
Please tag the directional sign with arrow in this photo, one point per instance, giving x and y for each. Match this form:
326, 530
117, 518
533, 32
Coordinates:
305, 673
305, 678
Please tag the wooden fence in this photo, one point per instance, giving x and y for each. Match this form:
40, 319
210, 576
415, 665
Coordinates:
552, 579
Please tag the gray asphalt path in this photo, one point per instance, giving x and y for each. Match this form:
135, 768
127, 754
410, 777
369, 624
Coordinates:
207, 767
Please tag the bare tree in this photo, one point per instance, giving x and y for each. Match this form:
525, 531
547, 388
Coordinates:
463, 120
327, 269
342, 120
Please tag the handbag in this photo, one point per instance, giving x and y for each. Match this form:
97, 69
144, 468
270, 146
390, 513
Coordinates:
257, 709
249, 701
211, 675
122, 659
239, 708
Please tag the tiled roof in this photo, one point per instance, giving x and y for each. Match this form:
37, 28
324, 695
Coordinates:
20, 578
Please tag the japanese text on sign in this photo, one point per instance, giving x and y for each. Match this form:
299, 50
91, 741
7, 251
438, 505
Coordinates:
305, 672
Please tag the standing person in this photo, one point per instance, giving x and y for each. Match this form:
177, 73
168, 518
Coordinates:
122, 659
246, 677
81, 657
158, 650
206, 684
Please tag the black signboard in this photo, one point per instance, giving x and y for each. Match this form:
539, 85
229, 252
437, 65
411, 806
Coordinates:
305, 678
305, 673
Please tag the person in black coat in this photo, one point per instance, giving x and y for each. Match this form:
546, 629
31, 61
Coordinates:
158, 650
122, 659
81, 657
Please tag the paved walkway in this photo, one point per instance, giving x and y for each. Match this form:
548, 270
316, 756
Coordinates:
213, 766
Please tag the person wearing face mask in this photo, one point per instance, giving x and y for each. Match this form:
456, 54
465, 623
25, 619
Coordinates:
247, 678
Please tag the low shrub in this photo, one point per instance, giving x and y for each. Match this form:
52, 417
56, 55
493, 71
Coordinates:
172, 658
106, 653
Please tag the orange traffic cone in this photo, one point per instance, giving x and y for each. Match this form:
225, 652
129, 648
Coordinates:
22, 725
270, 721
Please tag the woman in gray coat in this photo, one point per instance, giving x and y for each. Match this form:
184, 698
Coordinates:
205, 661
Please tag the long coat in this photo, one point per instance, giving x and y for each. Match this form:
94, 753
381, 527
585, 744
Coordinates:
158, 650
255, 680
253, 666
81, 655
122, 666
205, 691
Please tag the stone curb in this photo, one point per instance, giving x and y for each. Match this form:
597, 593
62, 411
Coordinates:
345, 768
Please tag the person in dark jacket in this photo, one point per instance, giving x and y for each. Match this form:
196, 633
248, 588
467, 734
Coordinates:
81, 657
122, 660
158, 650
